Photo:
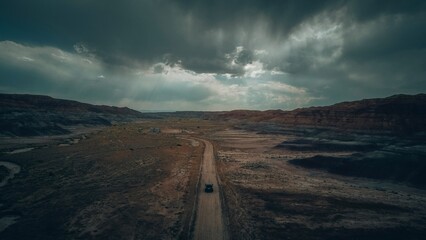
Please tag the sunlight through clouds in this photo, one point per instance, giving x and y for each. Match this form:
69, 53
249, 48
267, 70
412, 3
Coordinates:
159, 87
192, 55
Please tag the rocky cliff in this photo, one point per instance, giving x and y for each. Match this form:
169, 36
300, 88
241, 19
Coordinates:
400, 113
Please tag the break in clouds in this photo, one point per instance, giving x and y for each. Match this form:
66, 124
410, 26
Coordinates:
213, 55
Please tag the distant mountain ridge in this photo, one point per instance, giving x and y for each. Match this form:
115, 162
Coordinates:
33, 115
28, 101
404, 113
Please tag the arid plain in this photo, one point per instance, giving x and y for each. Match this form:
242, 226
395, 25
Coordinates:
141, 180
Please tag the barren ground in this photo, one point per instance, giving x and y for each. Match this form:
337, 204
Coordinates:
268, 198
122, 182
128, 182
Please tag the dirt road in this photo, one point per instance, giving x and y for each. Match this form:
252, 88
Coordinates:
209, 221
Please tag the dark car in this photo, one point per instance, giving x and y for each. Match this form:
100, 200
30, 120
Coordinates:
209, 188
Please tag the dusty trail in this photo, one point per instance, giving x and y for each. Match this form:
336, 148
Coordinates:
209, 222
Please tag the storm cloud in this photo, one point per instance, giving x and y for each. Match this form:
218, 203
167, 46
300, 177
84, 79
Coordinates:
213, 55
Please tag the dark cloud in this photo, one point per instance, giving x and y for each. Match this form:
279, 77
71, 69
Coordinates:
390, 34
146, 30
282, 15
140, 30
334, 49
244, 57
368, 10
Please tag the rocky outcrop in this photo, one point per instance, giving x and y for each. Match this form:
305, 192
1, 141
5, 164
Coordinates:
33, 115
399, 113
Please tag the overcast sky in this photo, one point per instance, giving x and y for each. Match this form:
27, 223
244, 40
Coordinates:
213, 55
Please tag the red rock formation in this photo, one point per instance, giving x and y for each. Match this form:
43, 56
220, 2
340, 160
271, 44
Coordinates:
396, 113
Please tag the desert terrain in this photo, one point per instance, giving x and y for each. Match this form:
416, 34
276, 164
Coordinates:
143, 180
121, 182
212, 120
268, 197
142, 176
